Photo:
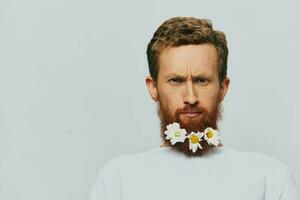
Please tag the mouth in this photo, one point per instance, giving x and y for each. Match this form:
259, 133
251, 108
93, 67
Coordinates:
191, 114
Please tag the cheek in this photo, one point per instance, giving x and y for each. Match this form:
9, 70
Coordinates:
208, 98
170, 100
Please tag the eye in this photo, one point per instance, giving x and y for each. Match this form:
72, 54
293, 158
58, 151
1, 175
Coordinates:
175, 80
201, 80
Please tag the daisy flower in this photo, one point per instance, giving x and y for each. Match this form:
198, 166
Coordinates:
175, 133
212, 136
194, 140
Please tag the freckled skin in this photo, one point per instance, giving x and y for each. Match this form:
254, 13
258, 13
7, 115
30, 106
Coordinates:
188, 74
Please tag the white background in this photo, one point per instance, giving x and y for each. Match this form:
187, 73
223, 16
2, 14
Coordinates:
73, 93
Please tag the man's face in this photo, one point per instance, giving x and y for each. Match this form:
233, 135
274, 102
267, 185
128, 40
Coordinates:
188, 89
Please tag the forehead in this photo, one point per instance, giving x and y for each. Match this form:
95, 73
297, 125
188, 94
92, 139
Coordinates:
189, 60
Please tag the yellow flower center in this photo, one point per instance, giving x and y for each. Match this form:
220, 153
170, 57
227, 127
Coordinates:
209, 134
194, 139
177, 134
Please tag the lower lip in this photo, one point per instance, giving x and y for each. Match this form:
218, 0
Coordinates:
191, 114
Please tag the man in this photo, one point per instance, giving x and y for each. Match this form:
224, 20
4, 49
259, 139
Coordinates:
187, 61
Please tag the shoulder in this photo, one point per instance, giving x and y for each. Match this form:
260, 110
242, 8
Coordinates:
276, 174
125, 161
259, 162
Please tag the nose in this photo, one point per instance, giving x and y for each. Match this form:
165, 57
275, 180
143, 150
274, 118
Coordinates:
190, 97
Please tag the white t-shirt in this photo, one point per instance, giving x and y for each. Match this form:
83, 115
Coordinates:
222, 174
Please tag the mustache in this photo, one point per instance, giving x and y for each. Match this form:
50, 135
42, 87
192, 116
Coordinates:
189, 109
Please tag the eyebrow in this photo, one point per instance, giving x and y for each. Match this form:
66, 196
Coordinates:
183, 77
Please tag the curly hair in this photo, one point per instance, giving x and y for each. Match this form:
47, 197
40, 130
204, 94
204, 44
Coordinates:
179, 31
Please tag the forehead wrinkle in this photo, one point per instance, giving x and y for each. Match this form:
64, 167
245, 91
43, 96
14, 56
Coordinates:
188, 71
195, 73
196, 66
182, 62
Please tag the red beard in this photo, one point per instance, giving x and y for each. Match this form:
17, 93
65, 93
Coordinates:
199, 123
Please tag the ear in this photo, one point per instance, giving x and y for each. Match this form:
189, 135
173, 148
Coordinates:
224, 88
152, 87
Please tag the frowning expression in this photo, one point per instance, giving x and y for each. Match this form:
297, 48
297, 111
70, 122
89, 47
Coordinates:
188, 76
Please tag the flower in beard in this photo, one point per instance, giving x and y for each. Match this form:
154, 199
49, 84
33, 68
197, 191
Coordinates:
194, 141
175, 133
212, 136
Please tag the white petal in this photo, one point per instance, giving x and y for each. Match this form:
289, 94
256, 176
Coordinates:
206, 130
168, 137
176, 125
166, 132
173, 141
194, 148
201, 134
199, 145
217, 142
209, 142
182, 139
190, 146
183, 131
